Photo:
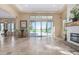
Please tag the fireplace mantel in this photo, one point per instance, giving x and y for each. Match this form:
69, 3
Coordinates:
72, 24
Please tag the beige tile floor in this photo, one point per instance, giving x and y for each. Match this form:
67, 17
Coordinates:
34, 46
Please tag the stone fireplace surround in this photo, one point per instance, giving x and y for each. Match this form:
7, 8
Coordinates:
73, 35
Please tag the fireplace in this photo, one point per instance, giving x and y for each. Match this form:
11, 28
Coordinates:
74, 37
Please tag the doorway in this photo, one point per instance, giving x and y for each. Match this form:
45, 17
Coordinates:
11, 28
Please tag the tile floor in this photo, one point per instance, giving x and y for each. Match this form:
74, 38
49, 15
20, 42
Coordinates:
34, 46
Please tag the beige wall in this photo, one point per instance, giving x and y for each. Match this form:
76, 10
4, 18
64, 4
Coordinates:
58, 25
64, 17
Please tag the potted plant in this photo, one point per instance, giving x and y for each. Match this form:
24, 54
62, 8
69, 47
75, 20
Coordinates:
17, 32
74, 14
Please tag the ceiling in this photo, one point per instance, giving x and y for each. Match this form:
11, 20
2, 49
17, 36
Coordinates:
4, 14
40, 8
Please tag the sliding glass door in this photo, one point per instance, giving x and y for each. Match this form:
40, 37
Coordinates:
41, 28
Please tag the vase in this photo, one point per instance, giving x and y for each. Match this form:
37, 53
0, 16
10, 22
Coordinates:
74, 19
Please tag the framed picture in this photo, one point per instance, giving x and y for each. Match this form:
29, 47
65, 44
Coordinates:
23, 24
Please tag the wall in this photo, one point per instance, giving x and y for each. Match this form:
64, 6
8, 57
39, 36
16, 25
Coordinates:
58, 25
64, 17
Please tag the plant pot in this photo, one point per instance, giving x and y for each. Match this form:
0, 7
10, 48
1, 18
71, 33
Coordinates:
74, 19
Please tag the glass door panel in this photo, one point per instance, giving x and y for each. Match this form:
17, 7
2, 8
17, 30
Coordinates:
49, 28
33, 29
11, 28
38, 28
1, 28
44, 28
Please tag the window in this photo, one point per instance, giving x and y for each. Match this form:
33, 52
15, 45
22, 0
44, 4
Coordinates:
41, 17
